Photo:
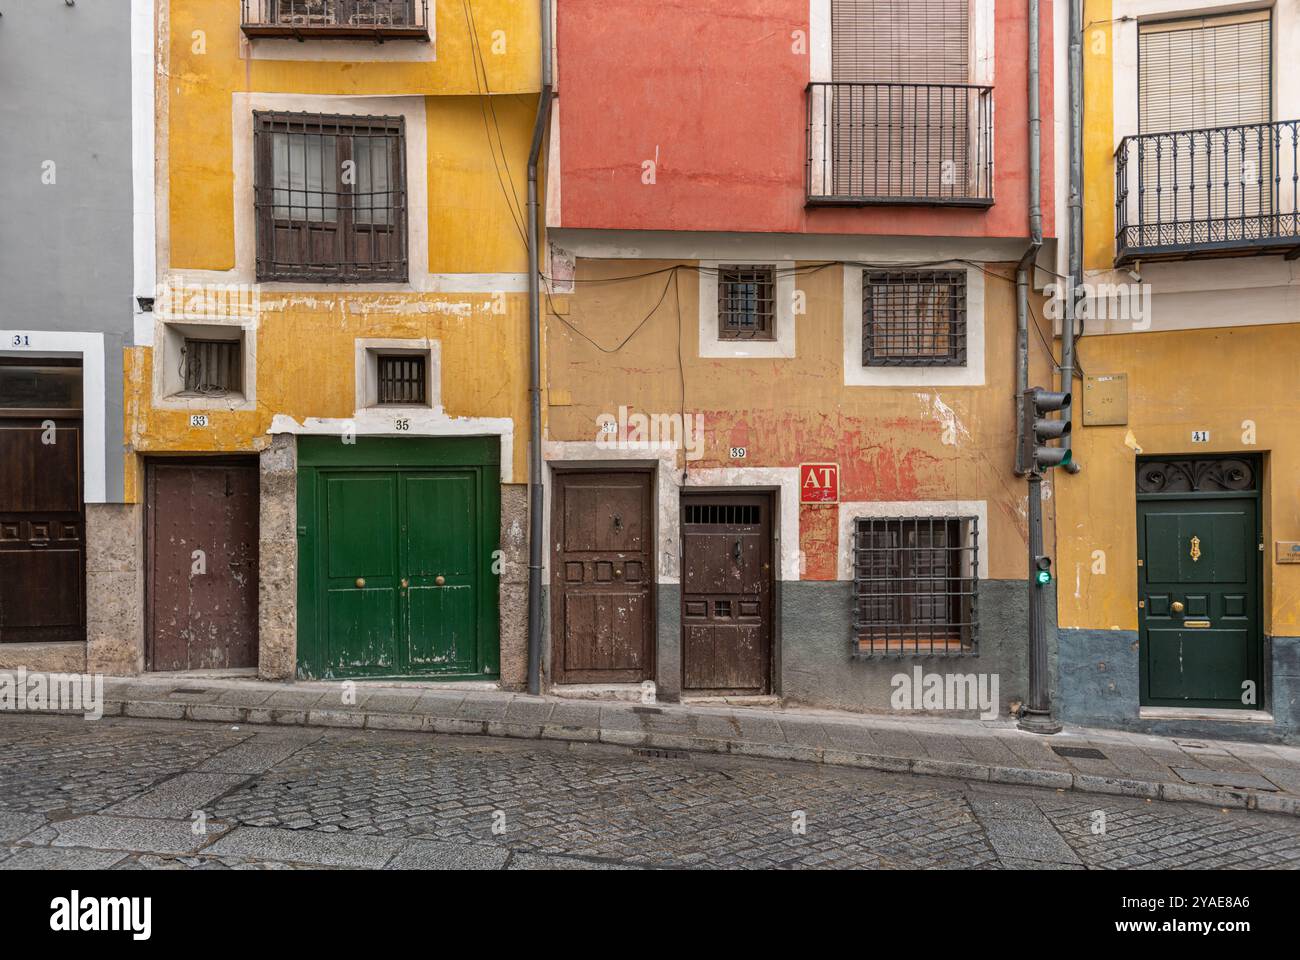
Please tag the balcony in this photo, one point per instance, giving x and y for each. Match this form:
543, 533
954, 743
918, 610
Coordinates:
1221, 191
377, 20
900, 143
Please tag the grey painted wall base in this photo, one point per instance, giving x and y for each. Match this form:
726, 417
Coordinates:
1099, 686
817, 670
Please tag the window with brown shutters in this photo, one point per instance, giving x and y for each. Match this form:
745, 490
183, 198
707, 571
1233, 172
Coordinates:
915, 582
900, 120
914, 318
746, 303
330, 198
1209, 167
402, 379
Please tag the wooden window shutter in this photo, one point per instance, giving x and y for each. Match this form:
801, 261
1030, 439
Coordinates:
913, 41
1206, 72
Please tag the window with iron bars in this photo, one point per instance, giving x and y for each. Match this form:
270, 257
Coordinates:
914, 318
213, 367
331, 198
401, 379
746, 303
914, 585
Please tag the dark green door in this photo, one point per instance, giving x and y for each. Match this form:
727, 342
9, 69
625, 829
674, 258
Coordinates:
395, 561
1199, 608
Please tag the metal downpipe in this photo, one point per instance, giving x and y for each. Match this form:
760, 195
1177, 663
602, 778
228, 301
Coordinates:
535, 532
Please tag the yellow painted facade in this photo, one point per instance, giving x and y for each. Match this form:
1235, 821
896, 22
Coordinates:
1234, 381
305, 337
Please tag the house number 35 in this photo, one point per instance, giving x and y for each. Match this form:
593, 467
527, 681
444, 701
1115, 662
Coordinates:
402, 424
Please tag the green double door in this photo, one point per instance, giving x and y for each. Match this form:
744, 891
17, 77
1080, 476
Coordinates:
1199, 612
400, 580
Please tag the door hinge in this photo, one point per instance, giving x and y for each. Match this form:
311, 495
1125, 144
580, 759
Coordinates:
1142, 604
1141, 562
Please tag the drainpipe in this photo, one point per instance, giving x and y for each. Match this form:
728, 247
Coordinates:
535, 370
1035, 232
1036, 715
1075, 83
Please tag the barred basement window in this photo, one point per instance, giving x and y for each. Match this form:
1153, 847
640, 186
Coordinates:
213, 367
330, 197
914, 585
746, 303
402, 379
914, 318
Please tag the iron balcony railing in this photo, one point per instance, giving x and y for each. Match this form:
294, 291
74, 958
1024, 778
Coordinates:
900, 143
1197, 193
347, 19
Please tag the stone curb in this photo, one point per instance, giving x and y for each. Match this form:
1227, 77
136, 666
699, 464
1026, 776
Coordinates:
918, 766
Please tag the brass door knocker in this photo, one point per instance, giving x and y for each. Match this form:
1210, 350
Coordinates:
1196, 549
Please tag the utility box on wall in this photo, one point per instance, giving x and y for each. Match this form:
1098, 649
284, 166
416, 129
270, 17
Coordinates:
1105, 400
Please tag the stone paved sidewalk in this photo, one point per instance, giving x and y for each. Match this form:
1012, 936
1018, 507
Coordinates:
1214, 772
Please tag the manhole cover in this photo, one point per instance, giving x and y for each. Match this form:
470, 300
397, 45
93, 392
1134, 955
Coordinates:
1221, 778
1083, 753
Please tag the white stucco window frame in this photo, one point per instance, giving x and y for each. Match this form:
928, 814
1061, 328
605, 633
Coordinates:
972, 374
714, 346
901, 509
169, 339
90, 348
368, 351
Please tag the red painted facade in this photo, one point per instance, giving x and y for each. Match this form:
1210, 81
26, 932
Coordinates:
714, 92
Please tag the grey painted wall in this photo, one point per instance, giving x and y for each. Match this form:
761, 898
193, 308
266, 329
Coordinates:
1100, 687
816, 668
66, 247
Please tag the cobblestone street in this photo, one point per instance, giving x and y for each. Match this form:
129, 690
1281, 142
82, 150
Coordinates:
158, 794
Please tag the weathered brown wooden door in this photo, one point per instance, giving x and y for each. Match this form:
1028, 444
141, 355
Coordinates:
42, 531
726, 593
202, 531
601, 578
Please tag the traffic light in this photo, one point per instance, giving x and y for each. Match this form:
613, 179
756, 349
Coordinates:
1036, 430
1042, 570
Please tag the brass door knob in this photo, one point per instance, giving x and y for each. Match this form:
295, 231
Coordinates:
1177, 606
440, 580
404, 583
361, 582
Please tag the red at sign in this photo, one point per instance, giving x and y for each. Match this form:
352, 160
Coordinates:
819, 483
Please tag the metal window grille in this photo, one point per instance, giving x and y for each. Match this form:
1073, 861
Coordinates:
402, 379
336, 18
213, 366
723, 514
746, 303
914, 585
331, 198
914, 319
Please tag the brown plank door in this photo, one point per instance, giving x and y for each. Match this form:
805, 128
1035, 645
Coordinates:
202, 531
726, 594
42, 532
602, 578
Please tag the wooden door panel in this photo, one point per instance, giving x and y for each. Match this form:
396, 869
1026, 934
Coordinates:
726, 593
443, 628
601, 575
361, 630
202, 565
440, 543
362, 515
440, 521
1199, 616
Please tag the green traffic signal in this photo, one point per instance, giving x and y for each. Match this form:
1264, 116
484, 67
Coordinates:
1043, 571
1044, 577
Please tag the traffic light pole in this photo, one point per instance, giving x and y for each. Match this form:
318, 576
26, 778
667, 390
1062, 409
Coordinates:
1036, 717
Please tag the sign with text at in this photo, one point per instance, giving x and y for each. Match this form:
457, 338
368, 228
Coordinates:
819, 483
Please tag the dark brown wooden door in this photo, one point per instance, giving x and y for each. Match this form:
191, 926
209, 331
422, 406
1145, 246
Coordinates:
602, 578
202, 564
42, 531
726, 593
